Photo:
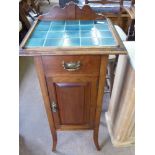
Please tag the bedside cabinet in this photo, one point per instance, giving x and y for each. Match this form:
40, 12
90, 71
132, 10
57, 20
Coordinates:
72, 88
71, 53
72, 83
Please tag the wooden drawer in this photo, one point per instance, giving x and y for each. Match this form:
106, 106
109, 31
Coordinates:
53, 65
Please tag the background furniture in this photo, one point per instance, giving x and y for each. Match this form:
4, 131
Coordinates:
49, 1
20, 26
24, 21
112, 63
113, 9
131, 28
23, 14
29, 10
108, 6
62, 3
130, 10
120, 116
72, 79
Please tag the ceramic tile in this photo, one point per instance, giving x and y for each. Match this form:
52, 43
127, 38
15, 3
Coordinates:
39, 34
89, 42
86, 27
107, 42
88, 34
102, 27
35, 42
57, 28
72, 33
61, 22
53, 42
42, 27
104, 34
72, 22
55, 35
71, 42
72, 28
86, 22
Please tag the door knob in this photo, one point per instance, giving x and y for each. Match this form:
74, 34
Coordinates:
54, 107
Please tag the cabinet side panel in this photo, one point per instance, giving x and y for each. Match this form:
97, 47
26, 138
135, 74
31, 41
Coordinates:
43, 85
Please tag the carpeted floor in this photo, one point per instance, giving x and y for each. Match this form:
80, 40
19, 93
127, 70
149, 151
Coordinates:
35, 137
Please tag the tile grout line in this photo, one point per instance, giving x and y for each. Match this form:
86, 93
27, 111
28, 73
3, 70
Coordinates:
64, 31
80, 32
47, 34
96, 35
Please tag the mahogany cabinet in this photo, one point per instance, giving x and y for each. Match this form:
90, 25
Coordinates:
73, 94
73, 98
70, 47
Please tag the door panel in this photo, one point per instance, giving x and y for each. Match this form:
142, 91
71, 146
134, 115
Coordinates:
75, 99
72, 99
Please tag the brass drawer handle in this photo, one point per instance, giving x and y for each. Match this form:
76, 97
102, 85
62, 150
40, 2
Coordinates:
71, 66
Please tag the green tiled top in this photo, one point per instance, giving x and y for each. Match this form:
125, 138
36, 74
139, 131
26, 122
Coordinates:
79, 33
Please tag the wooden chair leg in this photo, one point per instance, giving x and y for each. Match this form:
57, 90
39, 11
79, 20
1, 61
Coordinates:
31, 16
48, 1
111, 66
111, 73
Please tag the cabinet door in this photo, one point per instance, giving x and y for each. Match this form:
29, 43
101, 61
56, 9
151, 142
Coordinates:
74, 100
